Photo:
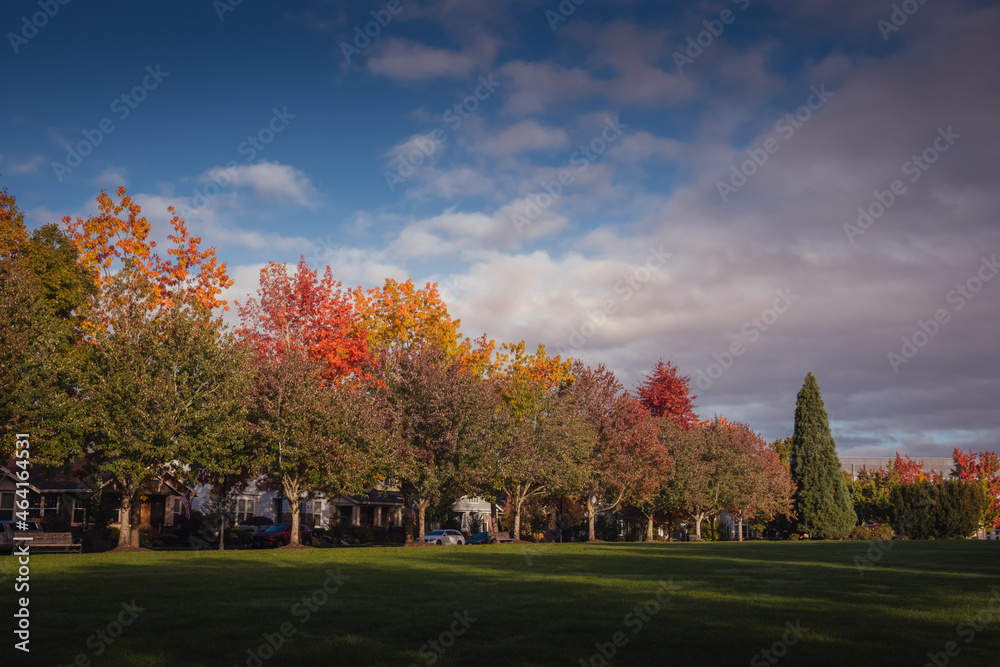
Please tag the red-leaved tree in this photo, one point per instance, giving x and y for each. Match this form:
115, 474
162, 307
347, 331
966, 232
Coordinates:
667, 394
316, 428
983, 468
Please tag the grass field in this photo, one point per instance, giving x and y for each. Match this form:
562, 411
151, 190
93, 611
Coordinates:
662, 604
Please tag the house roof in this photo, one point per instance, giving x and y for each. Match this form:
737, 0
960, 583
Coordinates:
76, 480
373, 498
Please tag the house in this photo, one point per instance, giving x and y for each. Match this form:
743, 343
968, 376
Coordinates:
65, 496
379, 508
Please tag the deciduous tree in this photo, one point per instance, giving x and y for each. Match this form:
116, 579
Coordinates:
446, 421
984, 469
118, 236
625, 440
161, 380
667, 394
316, 424
543, 443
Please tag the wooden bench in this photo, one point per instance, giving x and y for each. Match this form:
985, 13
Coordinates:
501, 538
49, 542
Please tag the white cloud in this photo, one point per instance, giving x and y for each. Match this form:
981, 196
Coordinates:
269, 181
527, 135
20, 168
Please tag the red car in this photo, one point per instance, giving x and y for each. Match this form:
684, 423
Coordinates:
281, 534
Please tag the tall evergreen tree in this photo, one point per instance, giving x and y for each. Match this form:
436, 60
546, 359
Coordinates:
823, 500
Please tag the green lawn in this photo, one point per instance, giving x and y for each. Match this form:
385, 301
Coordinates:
519, 605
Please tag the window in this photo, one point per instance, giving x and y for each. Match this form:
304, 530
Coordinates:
41, 504
79, 512
7, 506
244, 510
318, 514
175, 506
345, 514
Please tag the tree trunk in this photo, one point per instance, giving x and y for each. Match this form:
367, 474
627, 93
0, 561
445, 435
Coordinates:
591, 527
649, 528
125, 520
698, 518
422, 506
222, 516
292, 493
739, 529
518, 499
408, 519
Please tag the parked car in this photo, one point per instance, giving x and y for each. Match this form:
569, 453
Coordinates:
281, 534
479, 538
7, 530
444, 537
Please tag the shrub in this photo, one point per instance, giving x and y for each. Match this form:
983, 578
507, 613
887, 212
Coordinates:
170, 540
882, 533
946, 509
861, 533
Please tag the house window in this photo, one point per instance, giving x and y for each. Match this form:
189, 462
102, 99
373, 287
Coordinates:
244, 510
318, 514
41, 504
345, 514
6, 506
79, 512
176, 510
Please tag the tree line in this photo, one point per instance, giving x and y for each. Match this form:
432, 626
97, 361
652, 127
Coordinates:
118, 355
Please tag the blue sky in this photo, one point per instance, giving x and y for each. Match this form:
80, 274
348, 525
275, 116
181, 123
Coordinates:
635, 182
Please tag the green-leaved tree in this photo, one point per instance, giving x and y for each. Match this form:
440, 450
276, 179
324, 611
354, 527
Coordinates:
823, 500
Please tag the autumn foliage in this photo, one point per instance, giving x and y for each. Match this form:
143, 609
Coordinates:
119, 235
667, 394
984, 469
307, 315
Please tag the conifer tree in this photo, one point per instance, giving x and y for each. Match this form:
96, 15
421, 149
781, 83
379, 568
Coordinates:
823, 500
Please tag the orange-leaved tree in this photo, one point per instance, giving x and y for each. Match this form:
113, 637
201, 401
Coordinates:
119, 235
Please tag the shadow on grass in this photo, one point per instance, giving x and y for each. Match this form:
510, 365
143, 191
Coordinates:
515, 604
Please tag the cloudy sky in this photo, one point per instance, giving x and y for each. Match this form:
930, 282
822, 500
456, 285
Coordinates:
752, 190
